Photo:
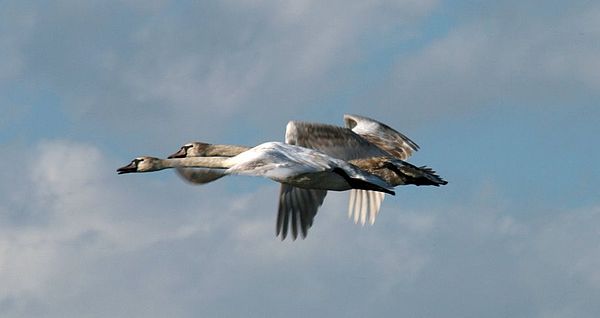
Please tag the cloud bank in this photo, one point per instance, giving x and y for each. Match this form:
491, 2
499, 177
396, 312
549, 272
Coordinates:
502, 97
86, 242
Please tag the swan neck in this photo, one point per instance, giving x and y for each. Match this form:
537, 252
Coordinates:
225, 150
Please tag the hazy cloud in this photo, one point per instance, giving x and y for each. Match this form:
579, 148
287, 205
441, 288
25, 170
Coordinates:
163, 66
91, 227
125, 247
499, 56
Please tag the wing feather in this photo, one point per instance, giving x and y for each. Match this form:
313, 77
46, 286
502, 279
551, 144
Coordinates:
382, 136
357, 206
343, 143
364, 204
337, 142
372, 207
361, 138
299, 206
294, 214
281, 211
304, 213
351, 202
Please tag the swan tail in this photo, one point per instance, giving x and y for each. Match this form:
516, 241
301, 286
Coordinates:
418, 176
429, 177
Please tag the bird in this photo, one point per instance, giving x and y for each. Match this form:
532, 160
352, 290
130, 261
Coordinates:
281, 162
202, 149
393, 171
362, 137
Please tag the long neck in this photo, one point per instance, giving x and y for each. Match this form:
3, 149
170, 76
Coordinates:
198, 162
225, 150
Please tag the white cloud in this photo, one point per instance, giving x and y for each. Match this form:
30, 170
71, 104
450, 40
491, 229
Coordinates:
149, 245
67, 206
503, 55
144, 69
90, 226
568, 243
11, 43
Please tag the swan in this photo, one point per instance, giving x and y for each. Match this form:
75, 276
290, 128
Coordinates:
362, 137
393, 171
281, 162
202, 149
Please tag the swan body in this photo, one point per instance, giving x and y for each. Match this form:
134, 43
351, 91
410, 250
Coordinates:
297, 166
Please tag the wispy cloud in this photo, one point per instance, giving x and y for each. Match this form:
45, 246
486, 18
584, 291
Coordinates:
188, 69
499, 55
95, 233
87, 218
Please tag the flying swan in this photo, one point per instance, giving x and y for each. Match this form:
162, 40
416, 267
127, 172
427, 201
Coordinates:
362, 138
284, 163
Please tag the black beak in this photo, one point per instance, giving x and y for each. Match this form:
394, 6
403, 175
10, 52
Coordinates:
182, 153
132, 167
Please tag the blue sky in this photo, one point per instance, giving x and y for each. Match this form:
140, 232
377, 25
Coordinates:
502, 97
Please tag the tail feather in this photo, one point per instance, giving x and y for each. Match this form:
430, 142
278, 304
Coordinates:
431, 176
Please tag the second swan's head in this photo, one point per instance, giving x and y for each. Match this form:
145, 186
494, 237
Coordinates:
193, 149
141, 164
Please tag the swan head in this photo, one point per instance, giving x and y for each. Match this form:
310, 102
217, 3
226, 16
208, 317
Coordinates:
193, 149
141, 164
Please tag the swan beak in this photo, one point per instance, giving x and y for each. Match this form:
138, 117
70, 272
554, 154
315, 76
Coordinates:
132, 167
182, 153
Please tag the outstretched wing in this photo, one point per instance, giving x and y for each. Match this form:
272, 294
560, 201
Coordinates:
338, 142
381, 135
364, 203
297, 209
396, 144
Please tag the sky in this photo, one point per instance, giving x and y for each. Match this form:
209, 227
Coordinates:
502, 97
